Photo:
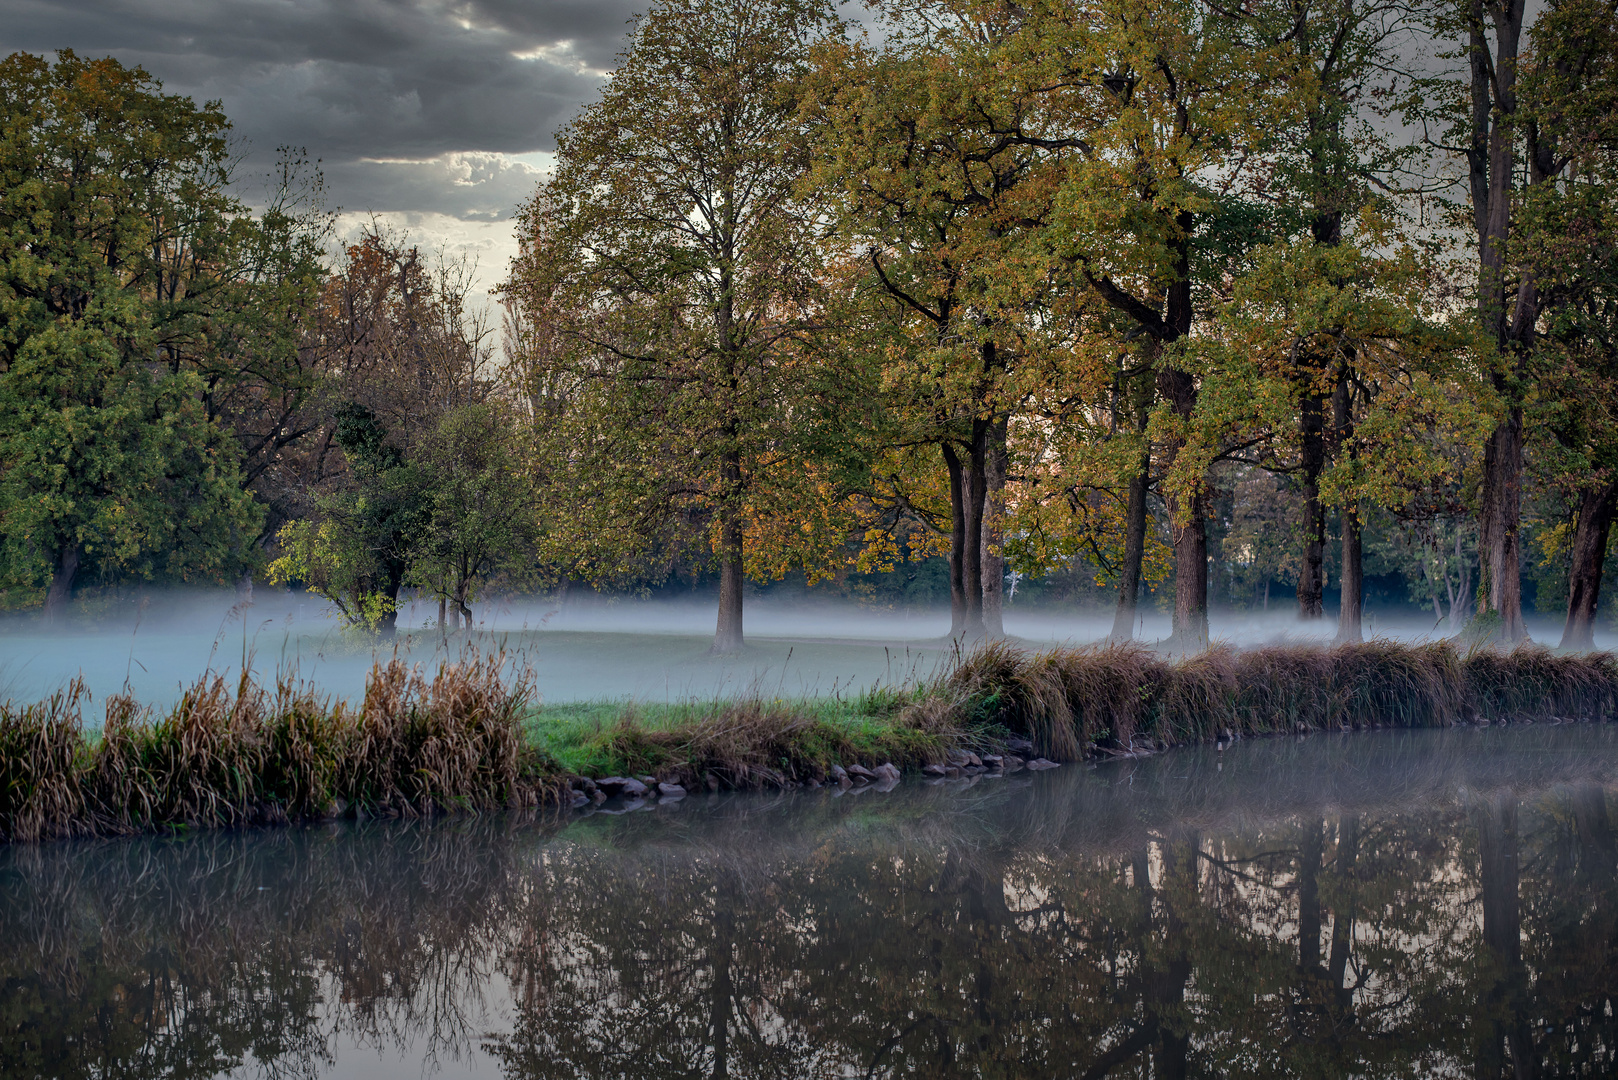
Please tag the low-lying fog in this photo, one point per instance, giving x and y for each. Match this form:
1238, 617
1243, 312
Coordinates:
587, 649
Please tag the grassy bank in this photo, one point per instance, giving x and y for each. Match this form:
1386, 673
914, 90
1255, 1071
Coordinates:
467, 739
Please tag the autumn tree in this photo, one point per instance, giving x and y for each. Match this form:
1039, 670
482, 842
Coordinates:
402, 353
1525, 113
676, 248
942, 144
1175, 100
1335, 183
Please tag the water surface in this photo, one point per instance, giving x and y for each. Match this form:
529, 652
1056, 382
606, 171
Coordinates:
1379, 904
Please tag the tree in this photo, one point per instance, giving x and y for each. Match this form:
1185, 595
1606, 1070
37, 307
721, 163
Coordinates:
1567, 232
1333, 156
938, 143
674, 244
401, 357
107, 457
1524, 121
481, 518
1179, 99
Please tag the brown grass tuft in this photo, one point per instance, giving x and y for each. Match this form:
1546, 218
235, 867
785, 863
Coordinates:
1068, 701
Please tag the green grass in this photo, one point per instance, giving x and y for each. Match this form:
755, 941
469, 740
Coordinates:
738, 743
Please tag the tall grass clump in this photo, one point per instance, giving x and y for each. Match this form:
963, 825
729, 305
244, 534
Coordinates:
41, 752
1078, 702
236, 755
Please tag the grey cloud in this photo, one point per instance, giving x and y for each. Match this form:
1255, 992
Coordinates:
472, 186
356, 79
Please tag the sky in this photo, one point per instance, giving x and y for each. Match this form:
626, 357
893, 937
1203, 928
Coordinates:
438, 117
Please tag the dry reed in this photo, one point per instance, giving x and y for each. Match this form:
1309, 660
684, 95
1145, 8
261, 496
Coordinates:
1073, 703
242, 755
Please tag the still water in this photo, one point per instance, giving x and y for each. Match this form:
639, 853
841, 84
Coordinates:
1379, 904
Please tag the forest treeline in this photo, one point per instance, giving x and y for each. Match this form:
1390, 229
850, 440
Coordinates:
1176, 298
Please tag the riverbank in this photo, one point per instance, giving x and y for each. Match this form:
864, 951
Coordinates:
470, 738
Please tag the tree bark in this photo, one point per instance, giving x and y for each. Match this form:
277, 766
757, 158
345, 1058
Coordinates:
1312, 573
1190, 530
388, 625
993, 529
972, 542
957, 541
1492, 160
1351, 616
1596, 510
1191, 577
1179, 389
64, 570
1123, 619
1498, 553
728, 634
1351, 577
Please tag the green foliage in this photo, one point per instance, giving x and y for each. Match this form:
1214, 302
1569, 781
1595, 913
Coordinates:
114, 226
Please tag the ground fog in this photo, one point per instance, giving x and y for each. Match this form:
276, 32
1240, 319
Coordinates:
586, 649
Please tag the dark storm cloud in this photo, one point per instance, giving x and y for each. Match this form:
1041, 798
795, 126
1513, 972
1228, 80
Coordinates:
357, 79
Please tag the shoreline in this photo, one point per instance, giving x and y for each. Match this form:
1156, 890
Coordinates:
468, 739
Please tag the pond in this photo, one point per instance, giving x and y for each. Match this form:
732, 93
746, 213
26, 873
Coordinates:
1386, 903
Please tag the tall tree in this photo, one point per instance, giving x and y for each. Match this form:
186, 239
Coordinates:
400, 354
675, 244
1177, 96
108, 458
1516, 147
938, 142
1567, 232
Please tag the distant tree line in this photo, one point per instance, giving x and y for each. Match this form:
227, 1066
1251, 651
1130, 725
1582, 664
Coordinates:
1110, 299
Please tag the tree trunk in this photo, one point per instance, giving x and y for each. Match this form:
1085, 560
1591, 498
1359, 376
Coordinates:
1492, 168
1312, 573
1350, 618
1498, 530
1123, 620
1191, 578
972, 546
1351, 578
1190, 524
728, 635
957, 541
62, 574
993, 529
1584, 574
388, 624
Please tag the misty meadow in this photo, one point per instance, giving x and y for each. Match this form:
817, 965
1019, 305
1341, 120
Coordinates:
898, 427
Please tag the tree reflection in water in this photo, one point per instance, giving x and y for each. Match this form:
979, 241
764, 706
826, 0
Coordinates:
1391, 904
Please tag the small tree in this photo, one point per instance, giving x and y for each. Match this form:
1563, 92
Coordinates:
481, 518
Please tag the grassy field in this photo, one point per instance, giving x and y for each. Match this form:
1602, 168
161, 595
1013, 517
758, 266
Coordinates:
472, 737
